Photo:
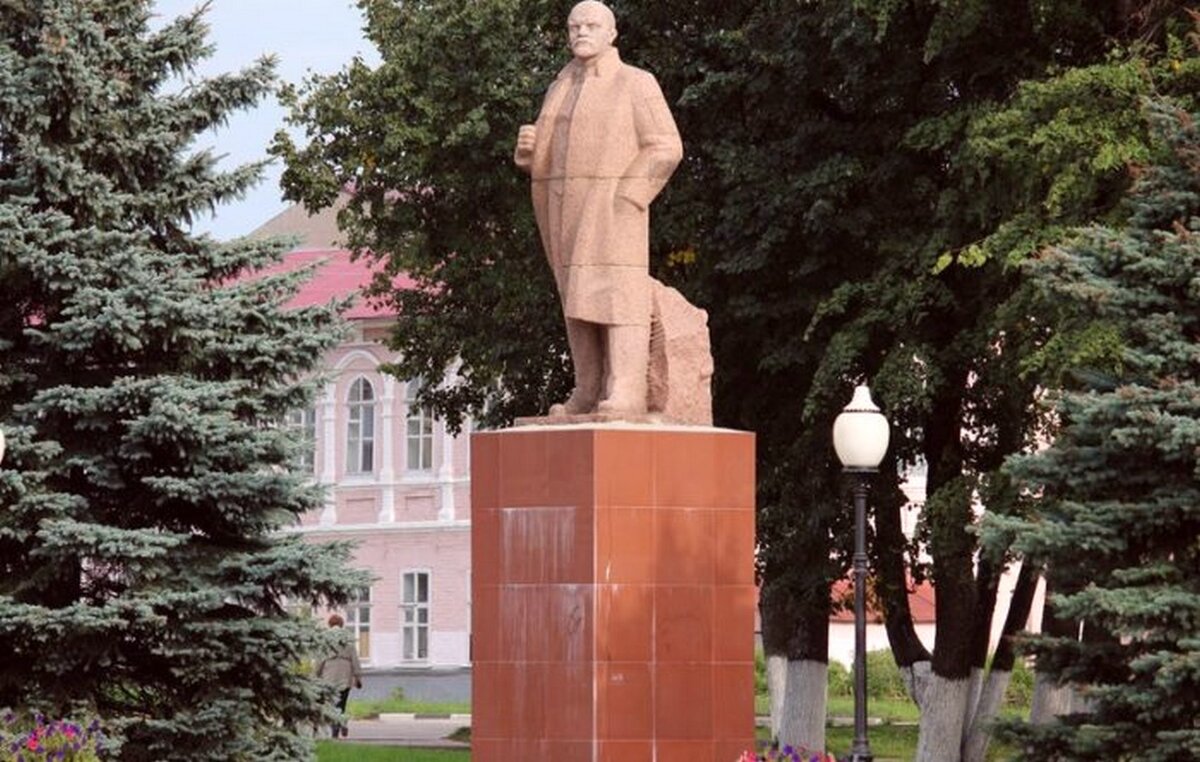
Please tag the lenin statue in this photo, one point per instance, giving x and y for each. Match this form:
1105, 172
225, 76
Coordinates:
603, 147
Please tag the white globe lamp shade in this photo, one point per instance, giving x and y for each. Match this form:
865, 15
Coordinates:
861, 433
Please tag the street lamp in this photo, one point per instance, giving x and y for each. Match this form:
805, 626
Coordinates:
860, 437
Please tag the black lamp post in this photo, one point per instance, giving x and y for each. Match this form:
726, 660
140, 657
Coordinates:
860, 437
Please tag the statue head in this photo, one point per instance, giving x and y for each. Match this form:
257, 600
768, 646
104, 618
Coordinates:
591, 29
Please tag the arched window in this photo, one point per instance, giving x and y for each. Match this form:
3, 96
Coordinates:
419, 431
360, 428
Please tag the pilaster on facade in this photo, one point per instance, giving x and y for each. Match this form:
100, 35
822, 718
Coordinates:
328, 438
446, 509
387, 505
398, 518
387, 470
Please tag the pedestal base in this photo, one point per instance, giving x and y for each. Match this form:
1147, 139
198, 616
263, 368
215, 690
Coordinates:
612, 594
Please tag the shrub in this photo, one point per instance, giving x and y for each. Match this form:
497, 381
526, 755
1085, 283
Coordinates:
1020, 687
760, 673
841, 684
883, 676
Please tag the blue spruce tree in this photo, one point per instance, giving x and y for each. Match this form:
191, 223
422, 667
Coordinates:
143, 571
1120, 486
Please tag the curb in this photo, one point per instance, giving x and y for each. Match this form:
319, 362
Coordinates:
410, 717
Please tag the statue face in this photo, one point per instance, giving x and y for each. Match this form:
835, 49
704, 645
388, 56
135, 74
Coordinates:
590, 30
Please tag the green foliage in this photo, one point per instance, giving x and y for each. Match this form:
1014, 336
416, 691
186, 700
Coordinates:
1118, 520
760, 673
840, 680
862, 180
426, 143
883, 677
144, 498
1020, 686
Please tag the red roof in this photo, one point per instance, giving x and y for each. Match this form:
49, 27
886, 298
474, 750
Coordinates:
336, 277
920, 603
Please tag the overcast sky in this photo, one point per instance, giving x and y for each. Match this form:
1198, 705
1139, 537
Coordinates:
307, 36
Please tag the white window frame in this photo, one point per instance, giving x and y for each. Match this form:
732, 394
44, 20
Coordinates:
415, 616
301, 422
360, 427
418, 430
358, 624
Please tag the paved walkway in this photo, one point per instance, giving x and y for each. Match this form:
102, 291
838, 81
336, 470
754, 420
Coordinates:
432, 732
407, 730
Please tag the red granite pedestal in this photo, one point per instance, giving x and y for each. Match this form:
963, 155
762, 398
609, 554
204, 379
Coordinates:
612, 594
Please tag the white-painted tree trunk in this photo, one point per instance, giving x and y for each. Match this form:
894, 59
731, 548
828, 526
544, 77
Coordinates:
974, 687
1050, 700
916, 680
942, 713
803, 718
979, 732
776, 685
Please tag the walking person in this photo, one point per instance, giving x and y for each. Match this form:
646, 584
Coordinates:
343, 671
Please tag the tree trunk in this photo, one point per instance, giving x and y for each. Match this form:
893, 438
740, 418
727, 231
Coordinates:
916, 680
949, 513
891, 585
975, 683
1050, 699
803, 721
979, 730
777, 669
774, 616
942, 715
796, 628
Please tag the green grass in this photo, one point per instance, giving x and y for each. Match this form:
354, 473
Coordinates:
889, 743
366, 709
330, 751
888, 710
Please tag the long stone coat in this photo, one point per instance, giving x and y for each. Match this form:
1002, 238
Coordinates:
606, 145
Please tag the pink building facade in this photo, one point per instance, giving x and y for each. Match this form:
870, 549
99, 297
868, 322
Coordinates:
396, 481
396, 484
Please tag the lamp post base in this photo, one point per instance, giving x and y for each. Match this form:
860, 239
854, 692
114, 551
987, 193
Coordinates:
858, 756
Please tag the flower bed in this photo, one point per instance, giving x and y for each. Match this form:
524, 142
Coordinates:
36, 739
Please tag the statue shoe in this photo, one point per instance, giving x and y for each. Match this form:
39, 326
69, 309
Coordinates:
630, 403
576, 404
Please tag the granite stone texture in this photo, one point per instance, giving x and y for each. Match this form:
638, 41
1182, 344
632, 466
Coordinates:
612, 593
603, 146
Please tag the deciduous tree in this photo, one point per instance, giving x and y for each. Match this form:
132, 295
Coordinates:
1117, 516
